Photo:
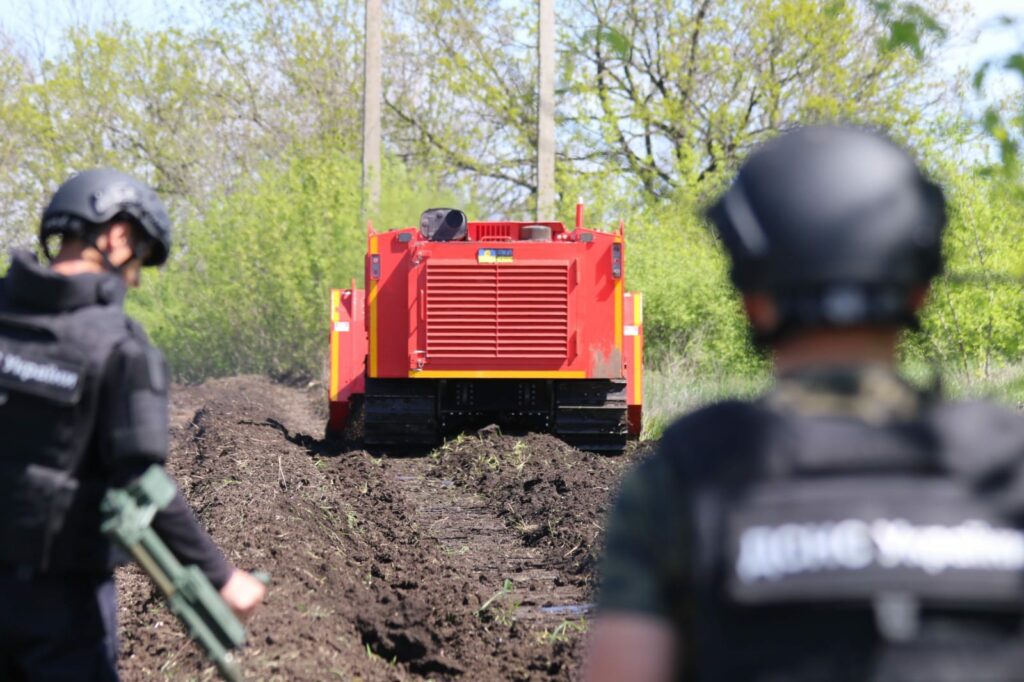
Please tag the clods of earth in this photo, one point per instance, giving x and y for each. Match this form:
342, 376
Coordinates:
474, 561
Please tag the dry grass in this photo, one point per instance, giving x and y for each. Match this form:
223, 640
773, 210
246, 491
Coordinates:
677, 388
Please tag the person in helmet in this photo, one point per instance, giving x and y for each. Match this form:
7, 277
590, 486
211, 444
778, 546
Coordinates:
83, 407
844, 525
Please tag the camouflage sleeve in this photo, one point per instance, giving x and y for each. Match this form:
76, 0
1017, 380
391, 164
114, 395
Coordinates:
637, 568
133, 411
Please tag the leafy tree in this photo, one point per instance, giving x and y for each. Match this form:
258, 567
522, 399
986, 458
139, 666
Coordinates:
460, 95
251, 293
193, 112
678, 93
1004, 119
248, 123
160, 105
666, 94
974, 320
909, 24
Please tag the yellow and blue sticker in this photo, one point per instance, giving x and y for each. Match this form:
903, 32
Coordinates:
494, 256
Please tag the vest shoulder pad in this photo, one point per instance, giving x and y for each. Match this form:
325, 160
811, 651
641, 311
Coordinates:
978, 439
136, 330
718, 440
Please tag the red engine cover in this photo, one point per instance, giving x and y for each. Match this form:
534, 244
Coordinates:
495, 306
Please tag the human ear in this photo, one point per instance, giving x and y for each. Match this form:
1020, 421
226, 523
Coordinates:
120, 236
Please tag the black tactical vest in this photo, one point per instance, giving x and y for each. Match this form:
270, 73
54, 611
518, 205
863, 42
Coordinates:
51, 369
831, 549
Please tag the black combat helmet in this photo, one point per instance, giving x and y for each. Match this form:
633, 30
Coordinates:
96, 197
838, 224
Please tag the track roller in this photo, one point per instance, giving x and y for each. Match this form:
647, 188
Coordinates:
400, 412
590, 414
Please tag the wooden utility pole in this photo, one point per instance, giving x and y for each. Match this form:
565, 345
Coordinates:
372, 90
546, 110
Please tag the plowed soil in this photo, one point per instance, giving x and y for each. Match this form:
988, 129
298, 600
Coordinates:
474, 561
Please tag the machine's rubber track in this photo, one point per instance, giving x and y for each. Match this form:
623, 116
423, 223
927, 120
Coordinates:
400, 412
590, 414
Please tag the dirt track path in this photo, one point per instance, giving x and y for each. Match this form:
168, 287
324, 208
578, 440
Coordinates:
474, 563
481, 546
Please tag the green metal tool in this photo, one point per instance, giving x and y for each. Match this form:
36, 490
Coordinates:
192, 598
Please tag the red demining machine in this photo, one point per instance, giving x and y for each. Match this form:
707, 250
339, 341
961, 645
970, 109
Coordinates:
464, 324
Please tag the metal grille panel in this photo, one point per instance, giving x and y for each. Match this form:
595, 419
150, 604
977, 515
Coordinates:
498, 311
496, 232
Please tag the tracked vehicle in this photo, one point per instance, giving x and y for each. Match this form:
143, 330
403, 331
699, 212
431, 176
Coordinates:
464, 324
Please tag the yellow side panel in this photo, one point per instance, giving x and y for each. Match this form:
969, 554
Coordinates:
335, 369
638, 374
374, 249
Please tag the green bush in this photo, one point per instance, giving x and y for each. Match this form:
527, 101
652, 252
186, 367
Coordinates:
973, 321
690, 308
248, 291
974, 318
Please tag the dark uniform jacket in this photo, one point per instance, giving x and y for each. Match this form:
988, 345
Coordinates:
843, 527
83, 407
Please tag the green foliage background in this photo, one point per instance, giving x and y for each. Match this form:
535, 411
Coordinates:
974, 319
250, 293
690, 310
248, 124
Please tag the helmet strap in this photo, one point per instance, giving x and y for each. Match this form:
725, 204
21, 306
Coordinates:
764, 340
838, 306
44, 243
